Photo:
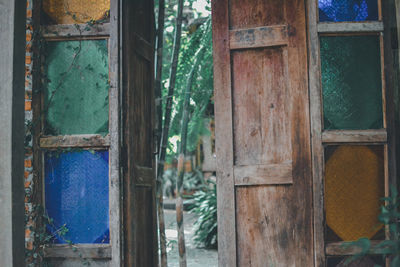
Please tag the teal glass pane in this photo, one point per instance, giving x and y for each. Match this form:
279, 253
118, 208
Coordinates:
351, 82
76, 91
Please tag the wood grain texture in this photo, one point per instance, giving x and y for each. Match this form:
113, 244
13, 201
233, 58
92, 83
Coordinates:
341, 27
341, 248
263, 94
88, 251
139, 211
115, 135
258, 37
314, 76
392, 89
65, 141
355, 136
145, 176
261, 107
224, 135
272, 174
256, 13
280, 214
78, 30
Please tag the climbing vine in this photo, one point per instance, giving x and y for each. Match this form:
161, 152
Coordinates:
36, 218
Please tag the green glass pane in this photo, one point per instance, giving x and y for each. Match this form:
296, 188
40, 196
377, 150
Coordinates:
76, 95
351, 82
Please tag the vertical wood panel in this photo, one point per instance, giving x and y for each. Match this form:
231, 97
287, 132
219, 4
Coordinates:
261, 107
271, 219
140, 239
256, 13
270, 111
115, 142
224, 136
389, 21
316, 130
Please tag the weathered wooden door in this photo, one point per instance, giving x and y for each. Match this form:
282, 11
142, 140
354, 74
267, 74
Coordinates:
262, 133
140, 239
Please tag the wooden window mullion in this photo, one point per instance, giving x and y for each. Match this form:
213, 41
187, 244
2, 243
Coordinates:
109, 142
384, 137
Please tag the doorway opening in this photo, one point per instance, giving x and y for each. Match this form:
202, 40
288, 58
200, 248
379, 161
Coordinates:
189, 156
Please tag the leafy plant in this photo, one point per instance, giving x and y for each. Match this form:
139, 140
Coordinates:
390, 217
205, 205
192, 181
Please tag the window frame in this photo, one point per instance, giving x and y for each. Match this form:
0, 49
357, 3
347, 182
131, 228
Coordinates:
321, 138
108, 31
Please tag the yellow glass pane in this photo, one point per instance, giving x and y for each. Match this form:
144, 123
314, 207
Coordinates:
76, 11
354, 184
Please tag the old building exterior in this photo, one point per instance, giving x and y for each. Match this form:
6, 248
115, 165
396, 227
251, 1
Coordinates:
307, 117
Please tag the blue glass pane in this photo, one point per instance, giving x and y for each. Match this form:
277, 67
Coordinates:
76, 195
348, 10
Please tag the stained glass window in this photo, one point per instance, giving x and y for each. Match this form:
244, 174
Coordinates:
75, 11
76, 195
347, 10
76, 96
354, 185
351, 82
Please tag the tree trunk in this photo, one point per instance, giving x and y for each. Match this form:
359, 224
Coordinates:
158, 96
181, 159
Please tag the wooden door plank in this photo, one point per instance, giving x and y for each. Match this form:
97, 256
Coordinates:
115, 52
84, 140
354, 27
77, 30
271, 126
271, 174
354, 136
224, 135
314, 74
258, 37
83, 251
140, 238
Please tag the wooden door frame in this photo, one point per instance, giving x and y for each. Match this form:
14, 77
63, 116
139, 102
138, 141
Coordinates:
223, 112
223, 44
319, 138
12, 70
109, 253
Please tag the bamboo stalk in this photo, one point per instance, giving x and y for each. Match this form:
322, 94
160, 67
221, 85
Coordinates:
158, 96
182, 154
171, 88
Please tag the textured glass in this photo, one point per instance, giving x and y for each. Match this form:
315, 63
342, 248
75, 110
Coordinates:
75, 11
354, 185
76, 195
351, 82
348, 10
76, 99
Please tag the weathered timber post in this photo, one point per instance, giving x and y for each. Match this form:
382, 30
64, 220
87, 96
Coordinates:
12, 54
